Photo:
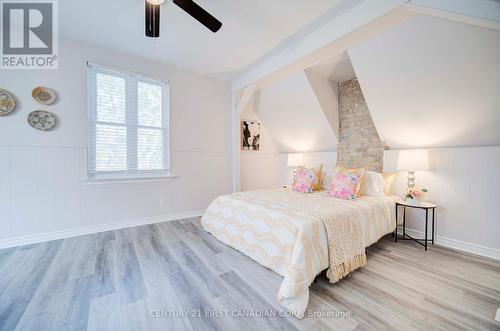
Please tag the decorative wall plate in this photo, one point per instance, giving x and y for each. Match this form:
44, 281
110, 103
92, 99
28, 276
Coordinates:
44, 95
42, 120
7, 102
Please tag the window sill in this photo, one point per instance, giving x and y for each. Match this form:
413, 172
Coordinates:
126, 180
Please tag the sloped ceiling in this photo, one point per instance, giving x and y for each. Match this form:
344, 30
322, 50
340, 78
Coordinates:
432, 83
293, 116
337, 68
326, 93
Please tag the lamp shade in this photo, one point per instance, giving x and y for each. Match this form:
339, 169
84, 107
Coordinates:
412, 160
295, 160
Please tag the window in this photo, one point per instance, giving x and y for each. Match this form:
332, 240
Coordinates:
128, 125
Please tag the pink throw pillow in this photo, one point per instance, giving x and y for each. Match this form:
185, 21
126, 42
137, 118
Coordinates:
304, 180
346, 183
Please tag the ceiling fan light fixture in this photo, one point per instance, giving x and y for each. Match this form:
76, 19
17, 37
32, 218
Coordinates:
156, 2
152, 18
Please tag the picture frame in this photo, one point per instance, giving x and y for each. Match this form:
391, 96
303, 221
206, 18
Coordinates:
250, 135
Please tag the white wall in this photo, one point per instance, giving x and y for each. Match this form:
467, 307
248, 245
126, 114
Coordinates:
293, 116
259, 169
464, 182
42, 186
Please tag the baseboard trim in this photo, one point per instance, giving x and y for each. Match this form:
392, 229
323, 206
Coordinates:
48, 236
458, 244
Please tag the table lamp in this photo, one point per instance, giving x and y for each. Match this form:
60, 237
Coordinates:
295, 160
411, 161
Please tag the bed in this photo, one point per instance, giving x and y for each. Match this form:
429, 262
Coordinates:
299, 235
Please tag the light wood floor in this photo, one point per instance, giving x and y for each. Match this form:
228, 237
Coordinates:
117, 280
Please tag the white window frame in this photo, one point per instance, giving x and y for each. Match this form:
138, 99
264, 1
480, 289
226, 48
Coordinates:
132, 172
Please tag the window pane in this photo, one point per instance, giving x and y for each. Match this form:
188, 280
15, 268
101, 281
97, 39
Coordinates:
150, 149
111, 148
149, 103
110, 98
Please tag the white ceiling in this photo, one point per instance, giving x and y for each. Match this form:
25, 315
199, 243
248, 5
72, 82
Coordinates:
432, 83
250, 30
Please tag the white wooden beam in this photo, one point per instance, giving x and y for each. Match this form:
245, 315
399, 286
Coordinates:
485, 13
246, 95
235, 144
238, 105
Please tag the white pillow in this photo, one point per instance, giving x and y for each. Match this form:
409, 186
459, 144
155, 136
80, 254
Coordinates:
374, 184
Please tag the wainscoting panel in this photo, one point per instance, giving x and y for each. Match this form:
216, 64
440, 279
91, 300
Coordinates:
23, 187
465, 183
44, 191
5, 224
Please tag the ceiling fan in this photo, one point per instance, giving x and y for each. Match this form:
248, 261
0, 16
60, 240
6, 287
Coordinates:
189, 6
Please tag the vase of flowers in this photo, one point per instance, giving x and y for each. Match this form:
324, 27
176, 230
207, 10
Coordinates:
414, 196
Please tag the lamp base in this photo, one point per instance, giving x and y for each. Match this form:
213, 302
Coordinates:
411, 179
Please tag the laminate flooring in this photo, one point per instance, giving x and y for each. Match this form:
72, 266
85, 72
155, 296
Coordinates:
176, 276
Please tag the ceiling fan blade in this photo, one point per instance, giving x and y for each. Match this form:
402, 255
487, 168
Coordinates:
152, 20
199, 14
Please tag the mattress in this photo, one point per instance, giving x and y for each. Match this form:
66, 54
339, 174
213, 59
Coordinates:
289, 241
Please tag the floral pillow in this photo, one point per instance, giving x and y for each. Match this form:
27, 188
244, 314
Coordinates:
346, 183
304, 180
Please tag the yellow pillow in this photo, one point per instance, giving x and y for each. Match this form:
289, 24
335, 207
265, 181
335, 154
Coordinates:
389, 179
357, 172
318, 183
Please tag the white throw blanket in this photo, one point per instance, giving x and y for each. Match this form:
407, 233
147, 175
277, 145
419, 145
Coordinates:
342, 223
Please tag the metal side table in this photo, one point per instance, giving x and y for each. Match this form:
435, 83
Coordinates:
428, 207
